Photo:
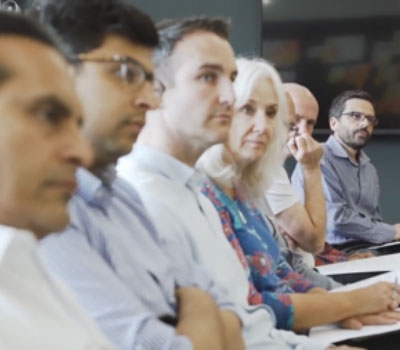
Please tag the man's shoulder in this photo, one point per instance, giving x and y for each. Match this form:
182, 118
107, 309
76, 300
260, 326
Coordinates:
84, 227
281, 195
139, 175
328, 158
158, 186
150, 183
328, 152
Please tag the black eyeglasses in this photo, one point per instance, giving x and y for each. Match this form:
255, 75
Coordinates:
129, 71
359, 116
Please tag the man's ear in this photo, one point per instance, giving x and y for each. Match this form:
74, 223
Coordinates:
333, 122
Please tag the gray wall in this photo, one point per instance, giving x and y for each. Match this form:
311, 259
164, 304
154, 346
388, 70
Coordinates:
245, 17
384, 152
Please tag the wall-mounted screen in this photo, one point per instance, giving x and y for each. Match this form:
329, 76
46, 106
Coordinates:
333, 45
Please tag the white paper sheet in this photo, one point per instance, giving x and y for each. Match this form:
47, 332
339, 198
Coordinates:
389, 262
333, 333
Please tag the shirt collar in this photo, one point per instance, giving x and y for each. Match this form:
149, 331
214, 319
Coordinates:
339, 151
96, 190
9, 230
170, 167
9, 234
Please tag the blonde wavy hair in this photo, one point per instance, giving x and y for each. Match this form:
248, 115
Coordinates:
217, 163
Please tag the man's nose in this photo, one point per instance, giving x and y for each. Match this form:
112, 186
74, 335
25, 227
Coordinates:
226, 93
302, 126
75, 148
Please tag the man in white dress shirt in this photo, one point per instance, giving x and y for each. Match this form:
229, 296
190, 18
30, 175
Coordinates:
196, 67
40, 149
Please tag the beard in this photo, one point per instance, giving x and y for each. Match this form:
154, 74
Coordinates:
352, 139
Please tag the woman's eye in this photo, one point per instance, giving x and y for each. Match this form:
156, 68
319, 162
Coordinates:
271, 112
248, 109
209, 77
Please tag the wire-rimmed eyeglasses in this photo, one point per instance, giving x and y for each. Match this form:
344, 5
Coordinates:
125, 68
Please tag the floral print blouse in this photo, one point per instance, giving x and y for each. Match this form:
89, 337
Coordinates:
249, 234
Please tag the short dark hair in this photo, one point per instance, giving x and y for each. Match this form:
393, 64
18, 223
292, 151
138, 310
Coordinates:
337, 107
14, 24
171, 31
84, 24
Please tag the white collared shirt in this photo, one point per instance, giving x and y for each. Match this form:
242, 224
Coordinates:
36, 311
281, 196
170, 191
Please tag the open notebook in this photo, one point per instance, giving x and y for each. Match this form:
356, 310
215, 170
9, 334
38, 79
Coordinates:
333, 333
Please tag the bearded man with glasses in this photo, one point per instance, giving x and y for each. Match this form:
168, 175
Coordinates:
351, 184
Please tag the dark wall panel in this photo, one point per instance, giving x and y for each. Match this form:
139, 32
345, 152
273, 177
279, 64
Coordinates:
245, 17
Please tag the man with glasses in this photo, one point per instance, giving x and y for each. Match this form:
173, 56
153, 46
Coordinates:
351, 183
143, 292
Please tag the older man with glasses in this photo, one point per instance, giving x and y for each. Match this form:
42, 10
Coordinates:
351, 183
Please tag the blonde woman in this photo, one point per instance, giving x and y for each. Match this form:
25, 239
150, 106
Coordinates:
238, 183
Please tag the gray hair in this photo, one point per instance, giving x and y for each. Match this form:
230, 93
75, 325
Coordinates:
216, 162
